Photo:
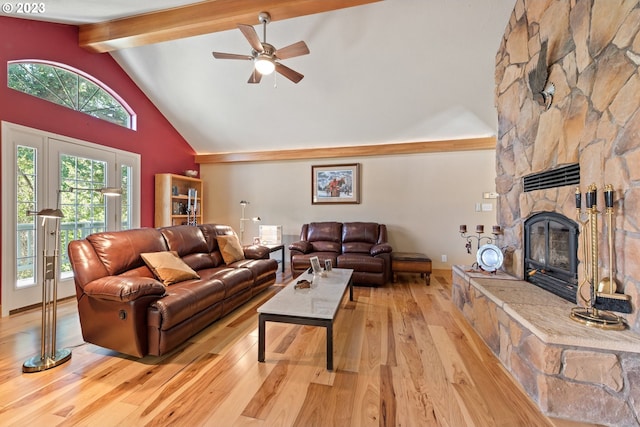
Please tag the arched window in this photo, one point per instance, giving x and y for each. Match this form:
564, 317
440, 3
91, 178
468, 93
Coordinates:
67, 86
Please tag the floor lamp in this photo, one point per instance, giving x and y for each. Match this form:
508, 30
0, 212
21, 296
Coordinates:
244, 204
49, 356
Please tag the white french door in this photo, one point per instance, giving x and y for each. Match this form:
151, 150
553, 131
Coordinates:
42, 170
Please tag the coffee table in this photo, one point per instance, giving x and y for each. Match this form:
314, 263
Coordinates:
315, 306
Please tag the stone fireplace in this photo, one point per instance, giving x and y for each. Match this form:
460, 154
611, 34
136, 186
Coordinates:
593, 59
551, 253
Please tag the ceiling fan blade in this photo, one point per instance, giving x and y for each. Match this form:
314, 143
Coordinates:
251, 36
255, 77
221, 55
292, 75
296, 49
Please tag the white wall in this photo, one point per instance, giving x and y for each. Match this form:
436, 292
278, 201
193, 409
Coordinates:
422, 198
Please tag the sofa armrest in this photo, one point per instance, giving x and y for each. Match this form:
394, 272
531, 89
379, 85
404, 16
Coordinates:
301, 246
381, 248
119, 288
256, 252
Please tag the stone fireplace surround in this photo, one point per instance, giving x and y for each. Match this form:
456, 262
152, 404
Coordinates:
593, 60
570, 370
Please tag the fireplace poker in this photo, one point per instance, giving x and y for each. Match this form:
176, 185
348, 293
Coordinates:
608, 284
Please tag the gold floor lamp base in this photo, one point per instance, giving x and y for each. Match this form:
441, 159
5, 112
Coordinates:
598, 318
39, 363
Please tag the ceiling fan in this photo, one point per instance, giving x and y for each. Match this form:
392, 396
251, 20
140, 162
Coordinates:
266, 58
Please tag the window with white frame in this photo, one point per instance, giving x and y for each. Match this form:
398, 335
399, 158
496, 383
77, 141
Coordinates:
71, 88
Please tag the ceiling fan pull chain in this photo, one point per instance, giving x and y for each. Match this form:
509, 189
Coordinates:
275, 80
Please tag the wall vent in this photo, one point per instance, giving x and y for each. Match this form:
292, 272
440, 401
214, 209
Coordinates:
566, 175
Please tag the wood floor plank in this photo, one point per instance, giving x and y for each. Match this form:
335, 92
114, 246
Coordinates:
403, 356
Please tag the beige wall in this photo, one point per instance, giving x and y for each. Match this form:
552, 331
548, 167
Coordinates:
422, 198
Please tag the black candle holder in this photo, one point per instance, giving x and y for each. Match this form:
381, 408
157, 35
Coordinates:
478, 236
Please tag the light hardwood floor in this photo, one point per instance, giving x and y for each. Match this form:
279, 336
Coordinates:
404, 356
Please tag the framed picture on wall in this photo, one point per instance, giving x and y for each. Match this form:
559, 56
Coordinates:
335, 184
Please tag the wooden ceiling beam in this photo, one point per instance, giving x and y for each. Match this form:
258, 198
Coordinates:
197, 19
449, 145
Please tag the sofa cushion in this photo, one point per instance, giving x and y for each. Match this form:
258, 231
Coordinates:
359, 237
325, 236
230, 248
361, 263
186, 299
168, 268
234, 280
120, 251
259, 268
191, 245
302, 261
185, 239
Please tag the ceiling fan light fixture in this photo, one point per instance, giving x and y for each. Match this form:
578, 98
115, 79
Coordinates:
264, 64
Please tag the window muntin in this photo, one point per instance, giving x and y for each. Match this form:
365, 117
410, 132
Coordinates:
63, 85
83, 206
26, 162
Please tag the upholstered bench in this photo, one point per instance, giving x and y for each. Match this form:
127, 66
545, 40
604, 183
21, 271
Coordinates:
411, 262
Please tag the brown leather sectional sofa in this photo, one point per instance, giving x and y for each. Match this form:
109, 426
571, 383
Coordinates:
123, 307
361, 246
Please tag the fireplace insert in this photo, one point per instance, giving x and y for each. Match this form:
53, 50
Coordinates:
551, 253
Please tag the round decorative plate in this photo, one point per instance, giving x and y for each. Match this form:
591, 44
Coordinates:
489, 257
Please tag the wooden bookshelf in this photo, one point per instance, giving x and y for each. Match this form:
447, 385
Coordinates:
172, 196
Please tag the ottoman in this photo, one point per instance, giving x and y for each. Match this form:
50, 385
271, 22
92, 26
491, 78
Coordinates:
411, 262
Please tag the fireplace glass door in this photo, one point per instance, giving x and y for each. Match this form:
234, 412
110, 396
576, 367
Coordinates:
551, 243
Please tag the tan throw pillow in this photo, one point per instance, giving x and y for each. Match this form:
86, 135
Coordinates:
168, 267
230, 248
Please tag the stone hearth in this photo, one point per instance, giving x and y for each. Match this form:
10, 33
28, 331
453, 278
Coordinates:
570, 370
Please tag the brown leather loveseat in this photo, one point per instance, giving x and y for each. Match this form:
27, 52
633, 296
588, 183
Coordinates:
361, 246
123, 306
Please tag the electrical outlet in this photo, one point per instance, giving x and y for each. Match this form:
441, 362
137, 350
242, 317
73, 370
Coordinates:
443, 258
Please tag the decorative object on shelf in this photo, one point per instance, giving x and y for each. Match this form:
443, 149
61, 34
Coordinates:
488, 256
591, 315
192, 207
50, 356
191, 173
243, 204
335, 184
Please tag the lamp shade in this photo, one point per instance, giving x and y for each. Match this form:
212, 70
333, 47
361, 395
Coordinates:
47, 213
264, 64
111, 191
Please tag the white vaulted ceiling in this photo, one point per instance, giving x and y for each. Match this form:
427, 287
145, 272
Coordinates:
385, 72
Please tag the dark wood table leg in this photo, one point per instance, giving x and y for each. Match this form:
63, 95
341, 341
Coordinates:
330, 346
283, 259
261, 338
